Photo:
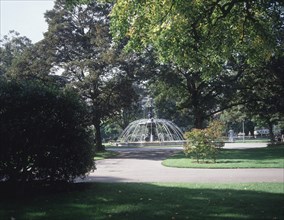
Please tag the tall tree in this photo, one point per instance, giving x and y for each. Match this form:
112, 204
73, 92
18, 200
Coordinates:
199, 34
198, 38
11, 46
265, 92
20, 59
195, 97
78, 39
34, 63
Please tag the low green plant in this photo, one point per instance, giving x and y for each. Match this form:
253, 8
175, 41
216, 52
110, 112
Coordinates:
44, 133
204, 143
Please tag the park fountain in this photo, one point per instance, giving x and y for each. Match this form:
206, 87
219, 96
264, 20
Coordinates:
151, 131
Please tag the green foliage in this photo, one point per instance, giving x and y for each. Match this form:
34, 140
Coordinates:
168, 94
44, 133
79, 41
192, 95
264, 93
188, 33
11, 46
204, 143
199, 39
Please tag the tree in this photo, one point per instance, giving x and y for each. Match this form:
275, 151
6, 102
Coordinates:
264, 92
239, 120
33, 63
198, 98
167, 99
199, 34
12, 45
78, 39
198, 38
20, 59
261, 88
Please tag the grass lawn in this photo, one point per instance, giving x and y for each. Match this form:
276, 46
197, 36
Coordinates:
269, 157
105, 154
134, 201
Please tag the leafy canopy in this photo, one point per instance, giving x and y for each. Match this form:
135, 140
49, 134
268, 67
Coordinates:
198, 34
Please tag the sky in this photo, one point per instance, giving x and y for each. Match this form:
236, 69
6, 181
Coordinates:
25, 17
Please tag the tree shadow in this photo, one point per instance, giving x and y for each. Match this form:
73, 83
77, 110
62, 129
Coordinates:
146, 154
148, 201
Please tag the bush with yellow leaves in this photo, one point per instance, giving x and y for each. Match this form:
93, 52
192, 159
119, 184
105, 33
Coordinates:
205, 144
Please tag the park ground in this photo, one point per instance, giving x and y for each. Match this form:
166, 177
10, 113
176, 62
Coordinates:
109, 194
145, 165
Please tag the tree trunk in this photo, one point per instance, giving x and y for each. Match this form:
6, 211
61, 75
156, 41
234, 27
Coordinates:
198, 123
98, 137
198, 120
195, 104
271, 134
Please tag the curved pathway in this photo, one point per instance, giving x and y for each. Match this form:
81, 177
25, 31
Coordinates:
144, 165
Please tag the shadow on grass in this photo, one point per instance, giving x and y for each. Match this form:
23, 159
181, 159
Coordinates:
147, 154
105, 155
147, 201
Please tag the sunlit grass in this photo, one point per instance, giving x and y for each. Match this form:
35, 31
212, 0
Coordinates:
269, 157
100, 201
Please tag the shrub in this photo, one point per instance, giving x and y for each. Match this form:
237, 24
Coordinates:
204, 143
43, 133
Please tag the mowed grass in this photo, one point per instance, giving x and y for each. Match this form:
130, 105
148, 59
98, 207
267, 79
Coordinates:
269, 157
134, 201
105, 154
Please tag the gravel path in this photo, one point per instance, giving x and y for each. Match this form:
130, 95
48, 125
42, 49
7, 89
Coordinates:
144, 165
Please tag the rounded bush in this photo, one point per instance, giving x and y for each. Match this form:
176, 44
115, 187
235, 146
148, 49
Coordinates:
44, 133
205, 143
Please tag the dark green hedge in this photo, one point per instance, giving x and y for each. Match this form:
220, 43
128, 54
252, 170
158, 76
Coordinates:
43, 133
